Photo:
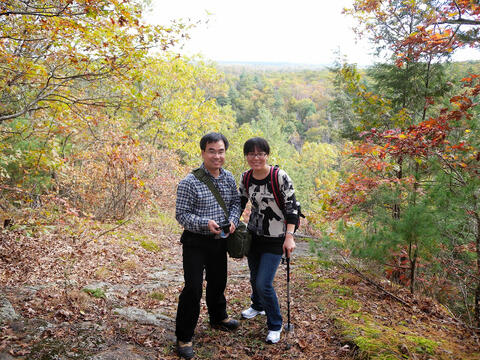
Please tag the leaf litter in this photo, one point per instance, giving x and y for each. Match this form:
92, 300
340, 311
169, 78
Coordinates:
336, 314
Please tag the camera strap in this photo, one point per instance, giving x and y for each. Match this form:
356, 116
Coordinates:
201, 175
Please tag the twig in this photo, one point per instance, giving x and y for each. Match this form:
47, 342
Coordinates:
114, 228
458, 321
105, 232
474, 330
379, 287
304, 236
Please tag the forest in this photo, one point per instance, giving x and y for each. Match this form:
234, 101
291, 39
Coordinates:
100, 119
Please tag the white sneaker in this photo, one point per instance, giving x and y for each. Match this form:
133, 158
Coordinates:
273, 336
251, 313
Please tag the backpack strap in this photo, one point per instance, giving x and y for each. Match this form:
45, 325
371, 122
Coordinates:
246, 179
276, 187
277, 194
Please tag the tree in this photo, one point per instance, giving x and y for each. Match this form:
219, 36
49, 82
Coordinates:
65, 67
50, 51
175, 104
443, 143
405, 163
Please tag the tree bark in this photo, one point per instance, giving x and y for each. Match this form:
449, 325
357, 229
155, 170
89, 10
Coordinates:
413, 266
477, 244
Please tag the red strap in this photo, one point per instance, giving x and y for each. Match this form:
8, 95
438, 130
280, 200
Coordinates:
275, 186
246, 179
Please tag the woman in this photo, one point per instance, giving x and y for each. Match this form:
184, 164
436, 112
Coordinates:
272, 224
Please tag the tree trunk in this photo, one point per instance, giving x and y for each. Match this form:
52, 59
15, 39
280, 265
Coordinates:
413, 266
477, 289
396, 205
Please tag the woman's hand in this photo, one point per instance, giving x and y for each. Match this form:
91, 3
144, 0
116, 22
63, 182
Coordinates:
288, 245
232, 227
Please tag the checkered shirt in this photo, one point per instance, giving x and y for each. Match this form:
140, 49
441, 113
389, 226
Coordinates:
196, 204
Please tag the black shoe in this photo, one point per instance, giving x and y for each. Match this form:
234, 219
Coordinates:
229, 325
185, 350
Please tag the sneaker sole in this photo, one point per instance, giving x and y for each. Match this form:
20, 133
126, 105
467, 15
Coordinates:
272, 342
252, 316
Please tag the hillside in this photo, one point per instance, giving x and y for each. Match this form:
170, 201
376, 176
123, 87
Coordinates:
100, 117
114, 296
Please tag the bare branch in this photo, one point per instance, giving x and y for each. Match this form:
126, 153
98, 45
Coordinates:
459, 21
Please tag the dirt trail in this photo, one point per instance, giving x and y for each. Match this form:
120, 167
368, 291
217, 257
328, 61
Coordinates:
126, 316
116, 298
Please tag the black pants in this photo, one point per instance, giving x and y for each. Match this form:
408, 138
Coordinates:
199, 253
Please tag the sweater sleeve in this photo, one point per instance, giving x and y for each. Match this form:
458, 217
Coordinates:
235, 209
243, 193
288, 193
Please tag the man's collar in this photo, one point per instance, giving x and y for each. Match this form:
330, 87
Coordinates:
208, 172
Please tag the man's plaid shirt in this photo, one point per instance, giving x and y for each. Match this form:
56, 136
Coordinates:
196, 204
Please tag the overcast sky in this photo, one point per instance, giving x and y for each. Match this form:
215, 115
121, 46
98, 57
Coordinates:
300, 31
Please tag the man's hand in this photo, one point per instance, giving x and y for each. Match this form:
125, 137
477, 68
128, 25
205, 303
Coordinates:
213, 227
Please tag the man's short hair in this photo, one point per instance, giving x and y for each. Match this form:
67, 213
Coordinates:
213, 137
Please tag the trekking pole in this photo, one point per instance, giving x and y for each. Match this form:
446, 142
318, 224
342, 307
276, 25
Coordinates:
289, 326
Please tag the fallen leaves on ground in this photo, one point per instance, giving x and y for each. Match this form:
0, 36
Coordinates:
332, 311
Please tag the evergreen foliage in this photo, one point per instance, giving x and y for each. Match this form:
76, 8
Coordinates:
412, 199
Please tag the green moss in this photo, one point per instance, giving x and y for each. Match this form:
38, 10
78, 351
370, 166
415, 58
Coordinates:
310, 267
379, 342
331, 285
423, 345
314, 264
167, 219
150, 245
372, 332
157, 295
313, 285
133, 236
98, 293
326, 264
365, 318
373, 341
368, 345
353, 330
256, 344
348, 304
343, 290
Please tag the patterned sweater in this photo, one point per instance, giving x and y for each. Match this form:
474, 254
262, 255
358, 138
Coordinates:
266, 218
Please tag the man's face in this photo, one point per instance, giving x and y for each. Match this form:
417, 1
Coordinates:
214, 155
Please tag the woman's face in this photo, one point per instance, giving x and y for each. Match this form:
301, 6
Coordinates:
257, 159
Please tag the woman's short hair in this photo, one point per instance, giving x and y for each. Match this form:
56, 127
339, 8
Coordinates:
256, 143
213, 137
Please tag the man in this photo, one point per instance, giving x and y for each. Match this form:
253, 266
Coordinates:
199, 213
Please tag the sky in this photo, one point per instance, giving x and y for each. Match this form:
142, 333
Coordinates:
280, 31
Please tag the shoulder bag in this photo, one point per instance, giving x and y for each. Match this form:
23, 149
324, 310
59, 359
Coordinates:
238, 243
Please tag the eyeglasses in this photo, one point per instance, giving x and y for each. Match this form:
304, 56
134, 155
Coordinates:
260, 155
213, 152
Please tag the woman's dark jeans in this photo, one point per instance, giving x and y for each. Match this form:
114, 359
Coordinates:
199, 253
263, 267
